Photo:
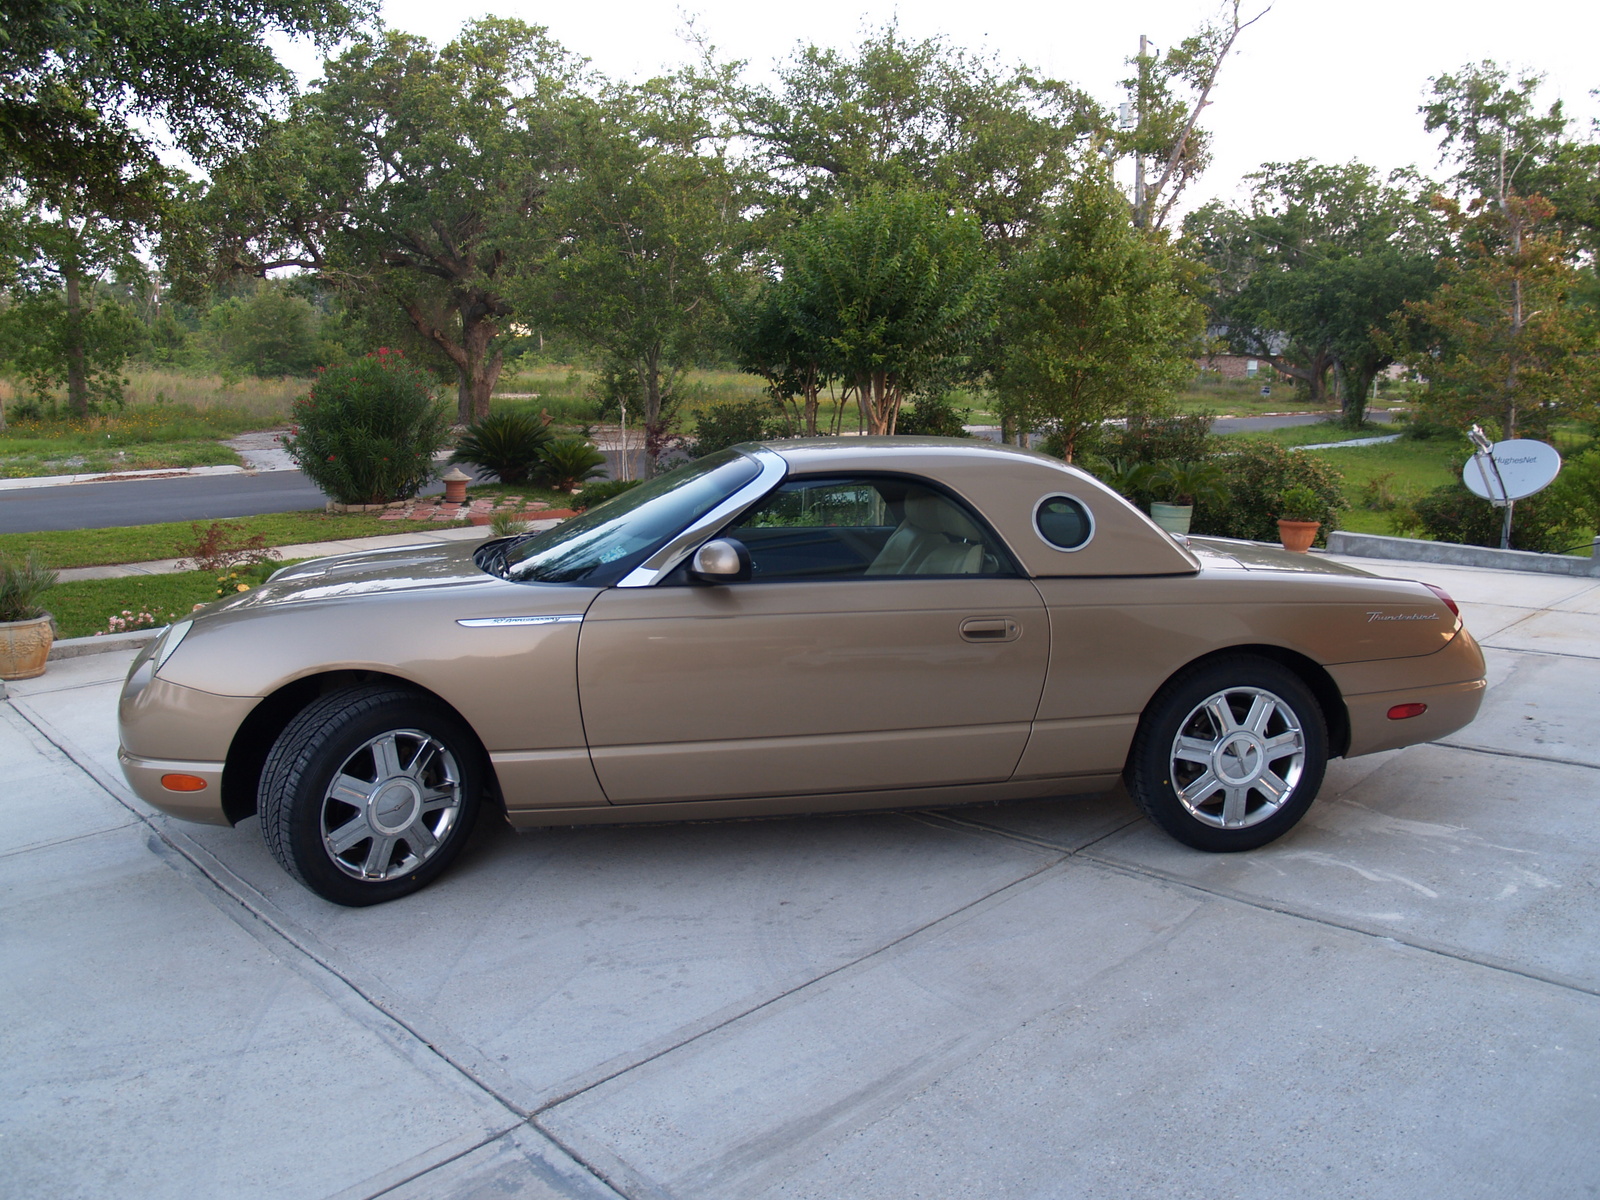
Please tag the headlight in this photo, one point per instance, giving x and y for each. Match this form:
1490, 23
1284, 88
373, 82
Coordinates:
167, 643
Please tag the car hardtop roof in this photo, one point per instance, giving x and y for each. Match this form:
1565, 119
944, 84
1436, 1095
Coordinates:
1124, 541
812, 453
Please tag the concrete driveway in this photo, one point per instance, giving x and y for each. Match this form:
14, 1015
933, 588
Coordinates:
1031, 1000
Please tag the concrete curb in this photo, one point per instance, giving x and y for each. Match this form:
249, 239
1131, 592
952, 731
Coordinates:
105, 643
42, 481
1371, 545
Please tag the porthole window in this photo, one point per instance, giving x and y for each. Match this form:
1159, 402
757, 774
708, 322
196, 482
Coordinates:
1063, 522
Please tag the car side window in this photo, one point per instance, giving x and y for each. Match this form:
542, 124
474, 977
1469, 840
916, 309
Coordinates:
858, 528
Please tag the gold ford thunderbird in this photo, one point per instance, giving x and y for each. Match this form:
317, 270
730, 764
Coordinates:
796, 627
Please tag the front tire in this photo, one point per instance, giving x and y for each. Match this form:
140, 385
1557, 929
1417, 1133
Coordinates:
368, 794
1230, 754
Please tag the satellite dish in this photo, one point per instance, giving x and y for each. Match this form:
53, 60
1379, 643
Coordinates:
1511, 470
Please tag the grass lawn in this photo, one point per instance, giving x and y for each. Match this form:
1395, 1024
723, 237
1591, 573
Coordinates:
145, 543
1322, 431
85, 607
29, 457
1413, 466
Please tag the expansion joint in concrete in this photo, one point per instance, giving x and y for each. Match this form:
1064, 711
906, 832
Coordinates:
1565, 983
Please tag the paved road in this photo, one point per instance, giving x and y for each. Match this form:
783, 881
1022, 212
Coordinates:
217, 497
1398, 1001
150, 501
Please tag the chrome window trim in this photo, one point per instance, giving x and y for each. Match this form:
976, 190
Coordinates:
1087, 512
491, 622
664, 561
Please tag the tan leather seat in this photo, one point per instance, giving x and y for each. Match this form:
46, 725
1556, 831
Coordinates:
935, 538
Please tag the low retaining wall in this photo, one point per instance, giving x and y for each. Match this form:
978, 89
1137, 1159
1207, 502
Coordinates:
104, 644
1371, 545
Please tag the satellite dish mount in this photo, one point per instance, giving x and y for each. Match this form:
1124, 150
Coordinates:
1504, 472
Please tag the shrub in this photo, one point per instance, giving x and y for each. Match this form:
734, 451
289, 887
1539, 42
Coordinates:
1299, 503
733, 421
567, 462
1453, 514
506, 444
600, 490
220, 546
506, 524
1259, 472
1173, 481
22, 587
932, 416
1178, 437
367, 431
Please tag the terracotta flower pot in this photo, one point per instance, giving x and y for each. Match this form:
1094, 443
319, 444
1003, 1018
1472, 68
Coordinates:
25, 647
1298, 535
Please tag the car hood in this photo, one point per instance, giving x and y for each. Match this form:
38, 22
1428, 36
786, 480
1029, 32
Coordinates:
365, 573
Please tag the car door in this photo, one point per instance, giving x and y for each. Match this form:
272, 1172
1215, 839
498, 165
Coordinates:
886, 640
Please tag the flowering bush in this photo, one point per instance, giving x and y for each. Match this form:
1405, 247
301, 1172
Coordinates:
128, 620
367, 431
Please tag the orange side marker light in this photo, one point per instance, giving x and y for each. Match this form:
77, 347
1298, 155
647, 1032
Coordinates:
1401, 711
183, 783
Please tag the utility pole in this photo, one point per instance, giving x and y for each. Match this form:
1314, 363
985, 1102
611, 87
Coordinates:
1139, 215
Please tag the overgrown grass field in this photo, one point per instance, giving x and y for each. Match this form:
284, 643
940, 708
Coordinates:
169, 420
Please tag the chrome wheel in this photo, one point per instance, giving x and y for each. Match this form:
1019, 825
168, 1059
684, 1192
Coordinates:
391, 805
1237, 757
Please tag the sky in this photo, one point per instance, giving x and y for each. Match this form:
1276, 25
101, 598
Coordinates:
1333, 80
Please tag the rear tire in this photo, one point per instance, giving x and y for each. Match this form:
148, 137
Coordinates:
1229, 754
369, 794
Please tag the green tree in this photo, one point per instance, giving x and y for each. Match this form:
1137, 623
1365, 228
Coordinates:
1502, 141
90, 96
64, 329
407, 172
998, 141
1166, 95
91, 92
648, 221
270, 332
1309, 274
889, 295
1502, 340
1098, 320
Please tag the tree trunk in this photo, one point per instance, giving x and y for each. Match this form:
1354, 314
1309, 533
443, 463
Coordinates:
477, 370
1358, 382
812, 399
1313, 376
77, 373
655, 433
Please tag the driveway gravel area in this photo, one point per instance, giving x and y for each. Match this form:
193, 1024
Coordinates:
1047, 999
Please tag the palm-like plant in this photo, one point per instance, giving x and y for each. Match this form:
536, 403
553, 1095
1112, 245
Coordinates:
1125, 476
566, 462
1200, 482
508, 444
22, 587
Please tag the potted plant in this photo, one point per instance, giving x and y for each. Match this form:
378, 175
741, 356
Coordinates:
26, 629
1299, 517
1181, 485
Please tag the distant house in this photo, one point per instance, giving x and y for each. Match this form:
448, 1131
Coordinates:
1234, 366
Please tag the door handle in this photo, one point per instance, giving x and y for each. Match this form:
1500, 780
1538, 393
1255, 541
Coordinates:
990, 629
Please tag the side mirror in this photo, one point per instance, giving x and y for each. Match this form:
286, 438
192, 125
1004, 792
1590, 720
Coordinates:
723, 560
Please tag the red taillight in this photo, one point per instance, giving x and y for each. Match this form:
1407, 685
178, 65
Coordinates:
1401, 711
1445, 596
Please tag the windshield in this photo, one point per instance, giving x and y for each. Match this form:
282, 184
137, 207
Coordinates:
599, 546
